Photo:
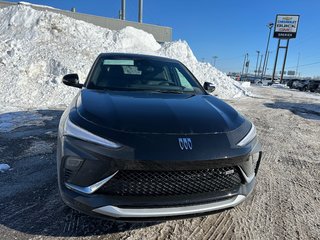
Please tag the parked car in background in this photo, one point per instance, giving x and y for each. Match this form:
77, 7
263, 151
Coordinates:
294, 84
285, 81
290, 82
313, 85
251, 79
301, 85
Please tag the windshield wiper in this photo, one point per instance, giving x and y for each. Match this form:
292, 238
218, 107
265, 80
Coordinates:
147, 90
167, 91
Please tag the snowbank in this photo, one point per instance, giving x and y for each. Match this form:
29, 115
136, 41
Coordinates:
35, 5
245, 84
38, 47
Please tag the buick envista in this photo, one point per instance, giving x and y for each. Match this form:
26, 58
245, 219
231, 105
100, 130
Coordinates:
143, 139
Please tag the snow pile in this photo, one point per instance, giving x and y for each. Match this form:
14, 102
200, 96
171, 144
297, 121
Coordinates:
38, 47
225, 87
35, 5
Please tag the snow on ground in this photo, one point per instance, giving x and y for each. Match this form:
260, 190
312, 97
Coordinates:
4, 167
279, 85
306, 95
298, 93
38, 47
245, 84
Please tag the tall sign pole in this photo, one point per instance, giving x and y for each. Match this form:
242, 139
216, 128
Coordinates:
286, 28
284, 61
275, 62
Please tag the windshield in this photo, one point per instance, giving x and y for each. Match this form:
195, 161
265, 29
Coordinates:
127, 74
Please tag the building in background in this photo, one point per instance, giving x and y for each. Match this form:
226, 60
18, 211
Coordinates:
160, 33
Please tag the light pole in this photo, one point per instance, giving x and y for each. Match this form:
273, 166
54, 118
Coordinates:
270, 25
297, 65
140, 11
214, 60
259, 70
247, 66
123, 10
266, 68
255, 73
246, 56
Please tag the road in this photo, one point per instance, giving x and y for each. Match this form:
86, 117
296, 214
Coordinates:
284, 205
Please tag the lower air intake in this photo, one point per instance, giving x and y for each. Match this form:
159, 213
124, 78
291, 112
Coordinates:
169, 183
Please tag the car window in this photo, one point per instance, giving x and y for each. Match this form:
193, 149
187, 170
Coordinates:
142, 74
183, 80
131, 70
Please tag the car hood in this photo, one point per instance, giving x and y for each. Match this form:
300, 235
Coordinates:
157, 113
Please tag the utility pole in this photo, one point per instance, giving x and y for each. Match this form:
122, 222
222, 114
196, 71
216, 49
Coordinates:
255, 73
270, 25
214, 60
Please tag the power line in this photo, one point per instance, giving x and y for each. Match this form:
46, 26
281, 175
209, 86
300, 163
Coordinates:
304, 65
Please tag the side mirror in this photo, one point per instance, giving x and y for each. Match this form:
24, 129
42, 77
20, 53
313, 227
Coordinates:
209, 87
72, 80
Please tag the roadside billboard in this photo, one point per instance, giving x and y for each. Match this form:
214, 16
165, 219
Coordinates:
286, 26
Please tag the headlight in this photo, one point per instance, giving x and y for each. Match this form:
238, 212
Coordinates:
70, 129
249, 137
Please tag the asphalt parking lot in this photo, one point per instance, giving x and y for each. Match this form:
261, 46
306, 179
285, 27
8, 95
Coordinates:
284, 205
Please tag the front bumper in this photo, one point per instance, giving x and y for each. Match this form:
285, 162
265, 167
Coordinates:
117, 212
84, 196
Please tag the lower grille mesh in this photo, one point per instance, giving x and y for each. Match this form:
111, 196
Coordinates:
169, 183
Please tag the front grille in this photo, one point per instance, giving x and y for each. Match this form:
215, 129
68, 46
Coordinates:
170, 183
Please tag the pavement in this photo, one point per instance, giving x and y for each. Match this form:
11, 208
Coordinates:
284, 205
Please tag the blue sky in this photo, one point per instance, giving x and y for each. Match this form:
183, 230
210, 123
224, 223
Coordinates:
227, 29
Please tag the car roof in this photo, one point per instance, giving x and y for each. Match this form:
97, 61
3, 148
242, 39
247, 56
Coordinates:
137, 56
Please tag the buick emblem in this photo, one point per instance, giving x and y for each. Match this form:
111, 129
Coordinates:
185, 143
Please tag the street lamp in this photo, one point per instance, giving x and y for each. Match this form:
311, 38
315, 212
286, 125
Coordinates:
270, 25
255, 73
140, 13
214, 60
266, 68
246, 57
